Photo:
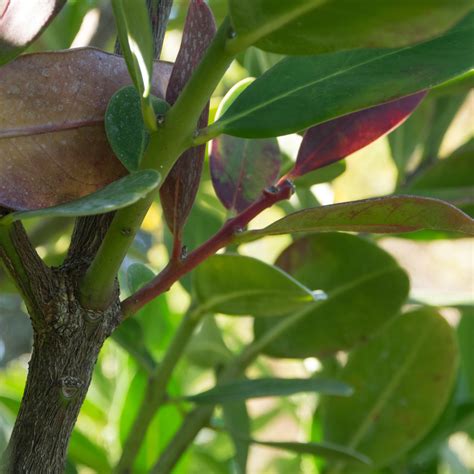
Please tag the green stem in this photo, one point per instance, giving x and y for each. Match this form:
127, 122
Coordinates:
200, 416
155, 394
166, 146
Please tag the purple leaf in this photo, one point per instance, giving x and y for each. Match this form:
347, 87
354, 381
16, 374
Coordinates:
241, 169
180, 187
334, 140
21, 22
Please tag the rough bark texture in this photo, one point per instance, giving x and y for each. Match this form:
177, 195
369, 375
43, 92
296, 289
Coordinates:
67, 341
64, 354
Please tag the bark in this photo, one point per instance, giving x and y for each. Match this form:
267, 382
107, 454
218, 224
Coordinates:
67, 341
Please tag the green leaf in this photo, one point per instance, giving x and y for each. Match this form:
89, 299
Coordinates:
136, 40
86, 453
238, 285
207, 347
236, 420
268, 387
129, 335
465, 331
451, 172
119, 194
125, 128
314, 26
303, 91
402, 382
362, 288
325, 450
156, 330
321, 175
378, 215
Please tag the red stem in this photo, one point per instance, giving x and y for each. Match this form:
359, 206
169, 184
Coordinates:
177, 268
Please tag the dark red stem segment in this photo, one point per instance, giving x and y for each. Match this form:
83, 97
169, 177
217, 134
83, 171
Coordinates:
177, 268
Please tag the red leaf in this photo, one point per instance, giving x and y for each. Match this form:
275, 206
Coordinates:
241, 169
53, 147
180, 187
334, 140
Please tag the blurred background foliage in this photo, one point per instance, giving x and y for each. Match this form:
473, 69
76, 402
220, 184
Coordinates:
417, 158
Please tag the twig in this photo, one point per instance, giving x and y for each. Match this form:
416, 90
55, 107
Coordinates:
177, 268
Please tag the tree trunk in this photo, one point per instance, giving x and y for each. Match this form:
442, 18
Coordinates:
66, 344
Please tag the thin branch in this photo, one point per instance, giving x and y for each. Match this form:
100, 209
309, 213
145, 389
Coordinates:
177, 268
155, 394
29, 273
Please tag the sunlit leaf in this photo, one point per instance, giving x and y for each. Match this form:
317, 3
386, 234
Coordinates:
359, 288
82, 450
21, 22
391, 214
136, 41
270, 387
394, 377
238, 285
119, 194
314, 26
180, 187
300, 92
331, 141
53, 149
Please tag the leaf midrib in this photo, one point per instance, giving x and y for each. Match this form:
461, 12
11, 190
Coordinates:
221, 124
383, 399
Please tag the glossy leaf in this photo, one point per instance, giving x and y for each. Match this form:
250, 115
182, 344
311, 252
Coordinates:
238, 285
314, 26
21, 22
53, 149
360, 286
324, 450
270, 387
391, 214
136, 41
394, 378
119, 194
241, 169
126, 131
180, 187
300, 92
334, 140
